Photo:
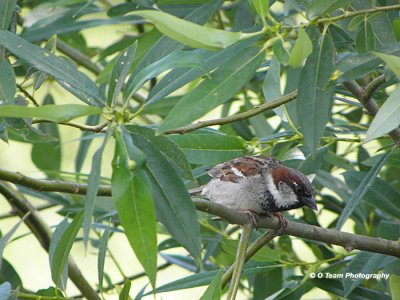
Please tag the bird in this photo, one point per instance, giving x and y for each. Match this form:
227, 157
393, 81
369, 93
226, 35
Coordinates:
259, 185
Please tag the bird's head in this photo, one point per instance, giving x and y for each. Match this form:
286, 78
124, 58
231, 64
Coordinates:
288, 178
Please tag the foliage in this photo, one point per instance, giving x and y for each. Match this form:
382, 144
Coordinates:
325, 67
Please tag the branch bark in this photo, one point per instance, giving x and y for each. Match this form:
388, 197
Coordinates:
329, 236
370, 105
238, 117
348, 241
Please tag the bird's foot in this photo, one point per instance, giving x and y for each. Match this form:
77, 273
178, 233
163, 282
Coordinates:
253, 216
282, 223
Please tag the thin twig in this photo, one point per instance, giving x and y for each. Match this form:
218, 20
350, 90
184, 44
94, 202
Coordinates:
356, 13
238, 117
82, 127
27, 95
78, 56
370, 105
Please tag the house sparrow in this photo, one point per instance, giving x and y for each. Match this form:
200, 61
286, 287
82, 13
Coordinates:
259, 185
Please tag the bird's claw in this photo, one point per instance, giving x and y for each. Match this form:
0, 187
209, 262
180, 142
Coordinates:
282, 223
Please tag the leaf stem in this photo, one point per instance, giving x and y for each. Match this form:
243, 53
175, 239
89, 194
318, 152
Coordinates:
239, 261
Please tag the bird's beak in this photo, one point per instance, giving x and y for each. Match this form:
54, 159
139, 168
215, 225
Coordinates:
310, 202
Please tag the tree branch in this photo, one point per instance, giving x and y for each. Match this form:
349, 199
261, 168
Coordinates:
370, 105
329, 236
348, 241
43, 234
238, 117
97, 128
358, 12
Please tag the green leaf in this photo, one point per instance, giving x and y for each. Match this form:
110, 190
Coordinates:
42, 151
365, 39
4, 239
7, 82
120, 72
394, 282
261, 7
7, 8
174, 207
322, 7
387, 118
177, 59
224, 83
55, 239
133, 200
208, 148
53, 113
272, 85
362, 263
357, 65
124, 294
302, 49
214, 291
314, 100
381, 194
178, 78
392, 62
93, 188
102, 256
167, 147
188, 33
64, 72
360, 192
204, 278
63, 248
335, 287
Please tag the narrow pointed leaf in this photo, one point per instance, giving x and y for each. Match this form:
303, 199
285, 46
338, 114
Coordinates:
51, 112
102, 256
120, 72
167, 147
173, 204
224, 83
387, 118
93, 187
314, 101
64, 72
177, 59
178, 78
124, 294
362, 263
63, 248
134, 203
392, 61
321, 7
365, 39
214, 291
7, 8
4, 239
209, 149
55, 239
189, 33
302, 49
7, 82
360, 192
